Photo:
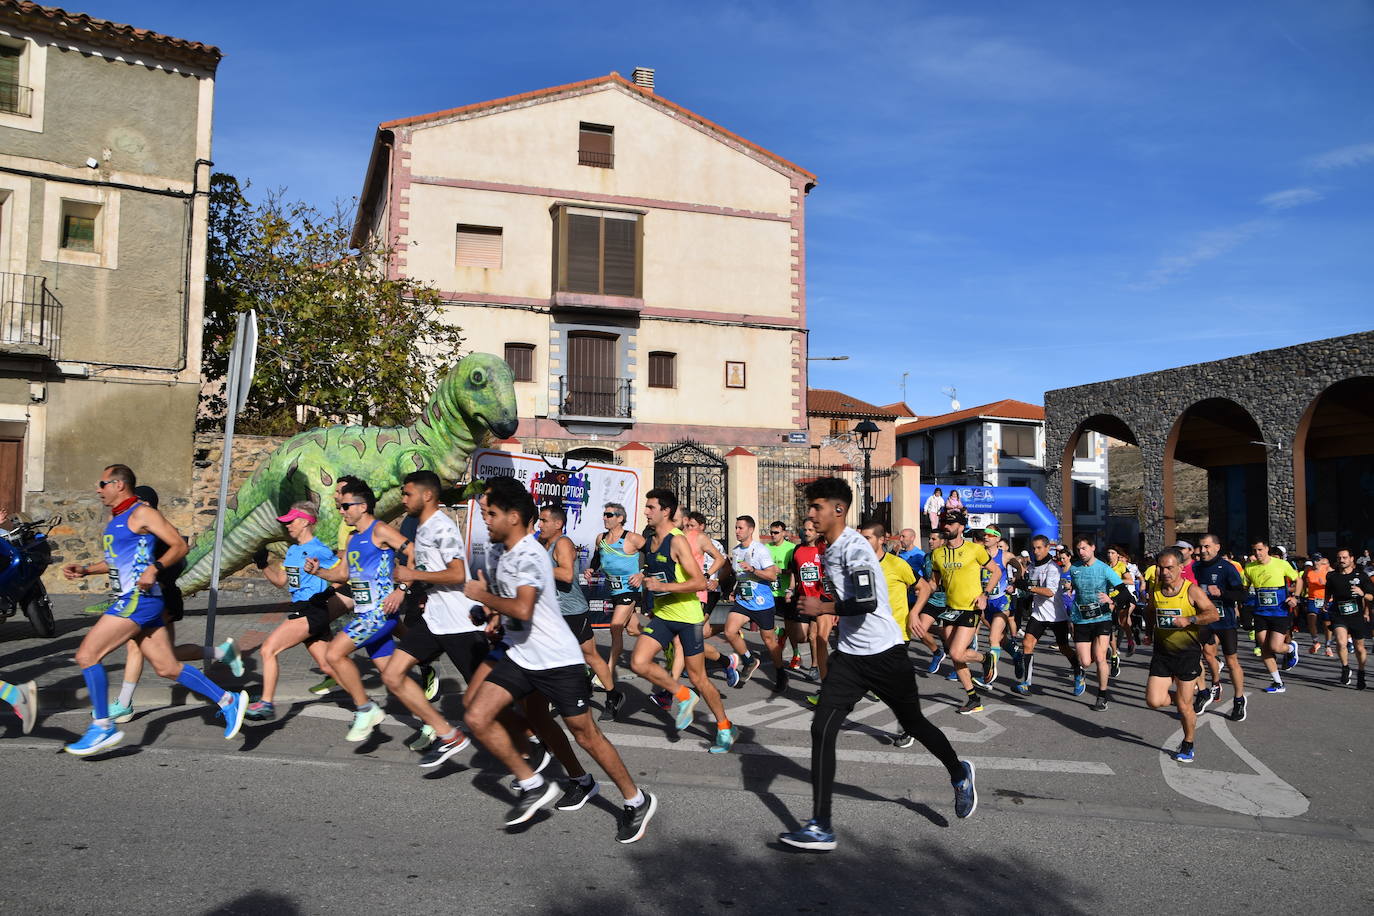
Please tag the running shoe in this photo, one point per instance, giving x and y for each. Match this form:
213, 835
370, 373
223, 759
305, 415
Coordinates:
1317, 648
1251, 635
1359, 680
1079, 684
1022, 688
1345, 675
750, 667
1018, 663
258, 712
615, 700
1130, 648
952, 676
425, 737
364, 721
972, 705
121, 713
989, 668
813, 836
1101, 703
813, 674
935, 661
1185, 753
444, 750
430, 679
903, 740
539, 757
1216, 693
1200, 701
795, 664
682, 715
780, 682
97, 738
234, 713
725, 739
814, 699
1114, 663
732, 670
576, 795
325, 687
965, 792
1330, 653
634, 821
1238, 710
1258, 651
663, 699
1275, 688
26, 707
231, 657
1291, 660
529, 801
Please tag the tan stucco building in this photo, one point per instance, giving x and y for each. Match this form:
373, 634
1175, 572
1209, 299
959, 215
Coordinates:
642, 269
104, 166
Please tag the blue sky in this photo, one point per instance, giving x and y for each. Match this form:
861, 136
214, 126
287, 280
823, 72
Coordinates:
1013, 197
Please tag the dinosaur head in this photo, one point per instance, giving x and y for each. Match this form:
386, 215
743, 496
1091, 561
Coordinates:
481, 389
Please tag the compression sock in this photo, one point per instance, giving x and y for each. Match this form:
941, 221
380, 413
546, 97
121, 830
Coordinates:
1030, 667
98, 685
723, 724
192, 679
637, 801
126, 692
9, 693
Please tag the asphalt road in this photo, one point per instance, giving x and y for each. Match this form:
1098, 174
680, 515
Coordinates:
1079, 812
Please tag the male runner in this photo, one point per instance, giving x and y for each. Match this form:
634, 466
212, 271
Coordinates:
616, 556
1178, 610
1224, 587
24, 699
1094, 583
871, 657
1047, 612
781, 550
899, 581
910, 551
755, 573
809, 581
936, 605
572, 603
959, 567
673, 577
136, 612
1349, 593
1314, 600
543, 656
368, 569
997, 607
1272, 579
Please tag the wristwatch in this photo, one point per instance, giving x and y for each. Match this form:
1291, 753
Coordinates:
404, 588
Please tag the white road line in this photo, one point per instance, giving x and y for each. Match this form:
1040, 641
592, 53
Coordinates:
1261, 793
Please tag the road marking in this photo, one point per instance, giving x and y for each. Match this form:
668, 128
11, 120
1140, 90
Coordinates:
184, 750
339, 714
1260, 794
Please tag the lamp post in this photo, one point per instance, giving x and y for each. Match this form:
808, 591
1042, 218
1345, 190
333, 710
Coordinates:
866, 436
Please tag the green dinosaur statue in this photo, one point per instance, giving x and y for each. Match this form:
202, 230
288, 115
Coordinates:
476, 399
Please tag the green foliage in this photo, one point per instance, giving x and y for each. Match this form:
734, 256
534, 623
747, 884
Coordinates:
339, 334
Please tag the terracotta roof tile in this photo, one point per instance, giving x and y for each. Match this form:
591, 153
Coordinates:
575, 88
827, 402
58, 22
901, 409
1004, 410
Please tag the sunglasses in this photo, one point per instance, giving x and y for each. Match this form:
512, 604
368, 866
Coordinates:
610, 515
105, 483
343, 506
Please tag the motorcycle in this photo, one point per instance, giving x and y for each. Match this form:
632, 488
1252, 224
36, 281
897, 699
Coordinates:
25, 552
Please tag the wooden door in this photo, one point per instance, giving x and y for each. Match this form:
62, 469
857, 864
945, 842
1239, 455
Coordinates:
591, 375
12, 474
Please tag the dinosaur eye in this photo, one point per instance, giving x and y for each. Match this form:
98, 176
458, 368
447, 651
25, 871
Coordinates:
479, 377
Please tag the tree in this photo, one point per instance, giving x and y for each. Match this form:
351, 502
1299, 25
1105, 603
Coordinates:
340, 338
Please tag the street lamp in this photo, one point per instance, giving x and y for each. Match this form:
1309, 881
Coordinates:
866, 437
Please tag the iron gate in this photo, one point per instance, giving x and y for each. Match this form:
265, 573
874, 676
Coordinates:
698, 478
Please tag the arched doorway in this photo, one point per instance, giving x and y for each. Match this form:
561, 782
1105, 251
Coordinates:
1333, 469
1102, 483
1216, 475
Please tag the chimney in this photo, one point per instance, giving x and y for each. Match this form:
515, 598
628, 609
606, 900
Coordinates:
643, 77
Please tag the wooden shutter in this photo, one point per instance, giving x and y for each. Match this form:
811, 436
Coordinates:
9, 77
591, 374
479, 246
12, 474
662, 370
619, 267
520, 358
596, 145
584, 253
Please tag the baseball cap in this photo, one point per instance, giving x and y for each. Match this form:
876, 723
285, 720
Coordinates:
1184, 545
1319, 556
297, 513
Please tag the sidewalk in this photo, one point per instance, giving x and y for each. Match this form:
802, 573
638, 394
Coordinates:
51, 662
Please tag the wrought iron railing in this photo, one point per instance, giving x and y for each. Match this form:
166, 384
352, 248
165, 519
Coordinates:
16, 99
30, 316
594, 396
597, 159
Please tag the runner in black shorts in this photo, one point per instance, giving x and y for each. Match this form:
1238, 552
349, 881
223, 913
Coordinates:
1349, 591
1178, 610
616, 556
1221, 580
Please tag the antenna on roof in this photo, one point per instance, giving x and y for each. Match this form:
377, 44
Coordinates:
953, 394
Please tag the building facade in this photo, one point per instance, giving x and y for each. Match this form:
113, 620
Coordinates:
104, 164
833, 415
641, 268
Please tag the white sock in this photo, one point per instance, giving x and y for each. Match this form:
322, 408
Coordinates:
1277, 678
637, 801
534, 782
126, 693
213, 653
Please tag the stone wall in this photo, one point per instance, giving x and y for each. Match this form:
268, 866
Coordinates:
1276, 387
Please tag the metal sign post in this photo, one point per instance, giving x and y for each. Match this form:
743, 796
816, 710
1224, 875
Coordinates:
242, 362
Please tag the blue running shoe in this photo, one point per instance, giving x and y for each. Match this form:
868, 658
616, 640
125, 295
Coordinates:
1291, 660
1079, 685
232, 658
683, 717
1023, 689
732, 670
952, 676
234, 713
97, 738
1185, 753
935, 661
725, 739
813, 836
965, 793
1275, 688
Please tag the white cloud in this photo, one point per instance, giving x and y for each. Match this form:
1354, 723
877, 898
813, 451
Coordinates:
1206, 247
1344, 157
1290, 198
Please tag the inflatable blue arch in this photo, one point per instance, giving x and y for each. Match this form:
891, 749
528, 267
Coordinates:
1020, 501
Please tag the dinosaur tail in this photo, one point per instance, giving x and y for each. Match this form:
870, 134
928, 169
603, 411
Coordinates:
243, 535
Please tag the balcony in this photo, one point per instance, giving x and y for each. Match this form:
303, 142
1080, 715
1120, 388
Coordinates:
596, 159
15, 99
593, 398
30, 316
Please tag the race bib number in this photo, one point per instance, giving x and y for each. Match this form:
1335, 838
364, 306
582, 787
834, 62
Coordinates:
810, 574
658, 576
1167, 621
293, 577
1268, 597
116, 585
1319, 603
618, 583
1346, 608
950, 615
362, 592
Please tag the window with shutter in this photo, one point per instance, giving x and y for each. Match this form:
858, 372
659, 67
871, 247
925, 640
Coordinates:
10, 58
1084, 448
597, 252
662, 370
478, 246
596, 145
80, 226
1018, 441
520, 358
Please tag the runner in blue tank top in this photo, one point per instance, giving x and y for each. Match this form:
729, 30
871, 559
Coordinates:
136, 611
369, 561
617, 558
996, 611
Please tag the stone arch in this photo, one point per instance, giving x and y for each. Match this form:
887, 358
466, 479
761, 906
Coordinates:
1108, 424
1223, 437
1334, 445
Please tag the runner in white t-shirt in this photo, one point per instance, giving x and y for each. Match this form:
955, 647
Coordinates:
542, 657
755, 573
1047, 613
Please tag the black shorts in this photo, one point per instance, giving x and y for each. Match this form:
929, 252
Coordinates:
665, 631
567, 688
953, 617
1087, 632
465, 650
790, 611
1186, 666
1281, 624
887, 674
1036, 628
764, 617
634, 599
1227, 639
315, 611
1356, 627
580, 625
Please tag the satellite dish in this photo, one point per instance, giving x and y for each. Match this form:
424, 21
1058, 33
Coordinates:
953, 394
